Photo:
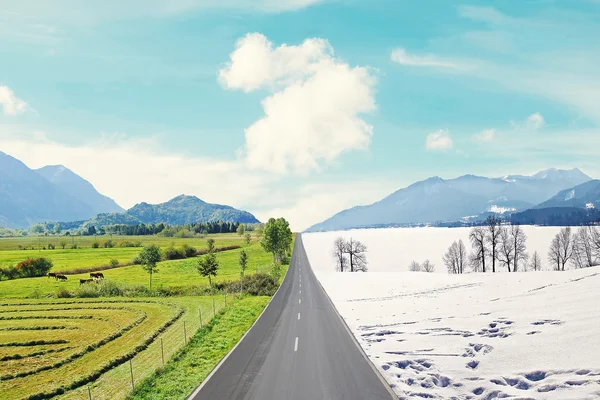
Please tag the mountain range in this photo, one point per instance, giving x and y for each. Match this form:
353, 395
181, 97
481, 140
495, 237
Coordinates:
55, 193
468, 198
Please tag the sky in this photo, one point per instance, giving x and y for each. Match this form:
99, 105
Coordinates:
297, 108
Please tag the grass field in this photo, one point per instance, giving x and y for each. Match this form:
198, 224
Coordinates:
86, 256
48, 348
171, 273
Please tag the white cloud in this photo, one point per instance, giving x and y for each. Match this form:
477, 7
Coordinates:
312, 115
535, 121
487, 135
439, 140
11, 104
402, 57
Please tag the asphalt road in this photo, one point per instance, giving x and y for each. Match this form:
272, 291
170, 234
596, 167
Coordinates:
299, 349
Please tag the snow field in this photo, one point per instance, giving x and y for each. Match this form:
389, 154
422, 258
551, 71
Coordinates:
473, 336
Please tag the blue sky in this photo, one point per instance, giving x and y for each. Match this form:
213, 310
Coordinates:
298, 108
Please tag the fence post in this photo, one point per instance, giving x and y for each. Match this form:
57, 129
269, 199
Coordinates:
89, 393
184, 334
200, 312
131, 371
162, 351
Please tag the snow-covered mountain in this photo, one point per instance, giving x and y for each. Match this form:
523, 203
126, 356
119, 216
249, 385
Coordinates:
586, 195
440, 200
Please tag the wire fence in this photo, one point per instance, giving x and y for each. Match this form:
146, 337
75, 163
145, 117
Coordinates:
121, 380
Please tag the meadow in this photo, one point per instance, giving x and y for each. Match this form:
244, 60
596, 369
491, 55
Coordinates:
86, 256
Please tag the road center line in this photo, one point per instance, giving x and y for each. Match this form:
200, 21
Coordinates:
298, 316
299, 301
296, 344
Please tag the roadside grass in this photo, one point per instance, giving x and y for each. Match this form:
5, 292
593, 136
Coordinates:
176, 273
192, 364
98, 349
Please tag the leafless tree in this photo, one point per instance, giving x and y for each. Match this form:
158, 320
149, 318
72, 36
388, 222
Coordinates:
594, 232
493, 238
427, 266
536, 262
584, 252
519, 239
566, 246
478, 241
339, 254
554, 253
456, 258
414, 267
357, 256
506, 248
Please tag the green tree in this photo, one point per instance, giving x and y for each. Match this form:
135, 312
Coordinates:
208, 266
210, 245
149, 257
243, 263
277, 238
241, 229
247, 238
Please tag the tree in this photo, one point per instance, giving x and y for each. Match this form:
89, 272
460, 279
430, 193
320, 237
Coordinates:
536, 262
478, 241
584, 254
455, 258
63, 243
339, 254
414, 267
566, 246
149, 257
427, 266
210, 245
506, 248
247, 238
519, 239
241, 229
554, 253
243, 263
277, 239
493, 238
208, 266
357, 256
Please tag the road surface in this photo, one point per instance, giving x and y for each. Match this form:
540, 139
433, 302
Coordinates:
299, 349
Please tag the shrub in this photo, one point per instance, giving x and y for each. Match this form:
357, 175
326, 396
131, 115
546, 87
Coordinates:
275, 271
95, 245
73, 246
51, 247
189, 251
114, 263
63, 293
109, 244
34, 267
255, 285
8, 273
171, 253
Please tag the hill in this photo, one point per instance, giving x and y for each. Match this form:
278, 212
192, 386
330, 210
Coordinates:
437, 200
79, 188
586, 195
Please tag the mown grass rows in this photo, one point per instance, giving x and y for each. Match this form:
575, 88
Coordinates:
34, 354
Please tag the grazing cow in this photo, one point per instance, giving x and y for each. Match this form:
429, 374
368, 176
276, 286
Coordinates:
52, 275
61, 277
82, 281
98, 275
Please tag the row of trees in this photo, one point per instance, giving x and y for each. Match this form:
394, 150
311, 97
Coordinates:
350, 255
498, 245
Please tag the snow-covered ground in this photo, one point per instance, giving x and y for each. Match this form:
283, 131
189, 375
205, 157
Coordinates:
481, 336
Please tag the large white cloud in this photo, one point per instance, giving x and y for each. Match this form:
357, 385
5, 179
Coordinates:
10, 103
313, 112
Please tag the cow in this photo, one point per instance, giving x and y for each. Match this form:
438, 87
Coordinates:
98, 275
82, 281
61, 277
52, 275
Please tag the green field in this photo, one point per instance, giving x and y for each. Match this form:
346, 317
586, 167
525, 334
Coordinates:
86, 256
48, 347
171, 273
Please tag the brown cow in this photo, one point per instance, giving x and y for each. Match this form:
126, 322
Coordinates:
82, 281
61, 277
98, 275
52, 275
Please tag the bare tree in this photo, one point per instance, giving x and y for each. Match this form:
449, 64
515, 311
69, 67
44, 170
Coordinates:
554, 253
536, 262
414, 267
566, 246
456, 257
356, 255
493, 238
519, 239
427, 266
594, 233
584, 254
506, 248
339, 253
477, 238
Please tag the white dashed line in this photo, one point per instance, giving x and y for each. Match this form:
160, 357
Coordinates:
298, 316
299, 301
296, 344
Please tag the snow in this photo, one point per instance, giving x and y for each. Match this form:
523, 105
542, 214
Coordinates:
479, 336
570, 195
590, 206
500, 210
